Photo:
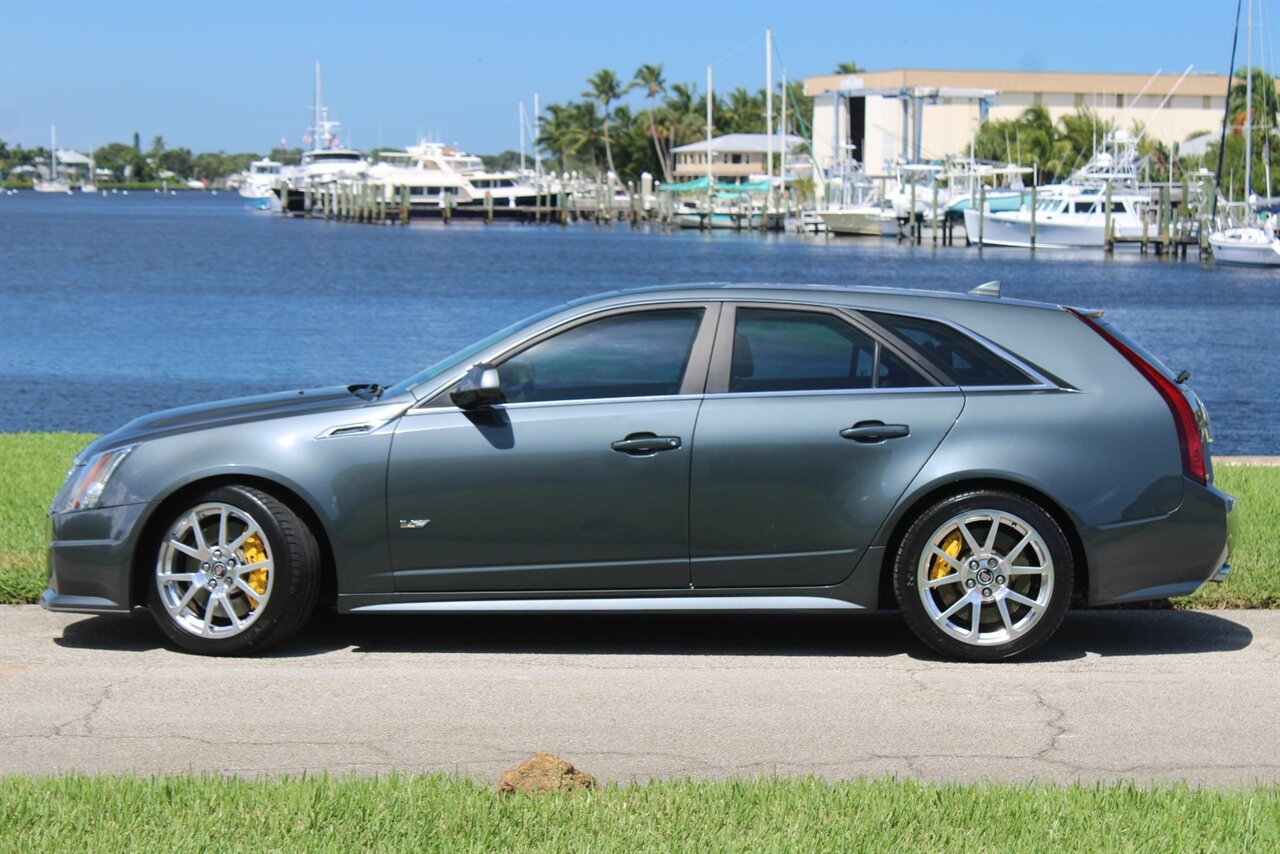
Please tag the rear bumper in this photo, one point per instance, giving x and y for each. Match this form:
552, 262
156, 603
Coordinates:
1165, 556
90, 555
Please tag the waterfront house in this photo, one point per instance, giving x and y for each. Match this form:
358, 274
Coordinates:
736, 158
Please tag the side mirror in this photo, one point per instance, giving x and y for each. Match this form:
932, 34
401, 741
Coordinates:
480, 387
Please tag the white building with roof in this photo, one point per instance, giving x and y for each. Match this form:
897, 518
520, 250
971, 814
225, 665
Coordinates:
734, 158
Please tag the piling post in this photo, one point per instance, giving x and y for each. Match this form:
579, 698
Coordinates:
982, 214
488, 206
1166, 214
446, 210
1108, 234
1033, 215
933, 220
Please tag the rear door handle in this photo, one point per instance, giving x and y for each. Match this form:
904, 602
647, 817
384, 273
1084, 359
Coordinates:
638, 444
872, 432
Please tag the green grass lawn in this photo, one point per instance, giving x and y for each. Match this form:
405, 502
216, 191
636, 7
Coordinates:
35, 463
445, 813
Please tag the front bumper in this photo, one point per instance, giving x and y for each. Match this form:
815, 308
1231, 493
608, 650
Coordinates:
1167, 556
90, 558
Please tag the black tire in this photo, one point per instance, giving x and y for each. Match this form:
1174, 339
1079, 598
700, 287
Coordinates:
249, 597
1021, 599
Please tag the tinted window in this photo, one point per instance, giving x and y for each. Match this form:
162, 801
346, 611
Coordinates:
957, 355
808, 351
623, 355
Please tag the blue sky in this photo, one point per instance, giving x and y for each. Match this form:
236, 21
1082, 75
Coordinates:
237, 75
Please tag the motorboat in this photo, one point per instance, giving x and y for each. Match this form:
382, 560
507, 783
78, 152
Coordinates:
1076, 213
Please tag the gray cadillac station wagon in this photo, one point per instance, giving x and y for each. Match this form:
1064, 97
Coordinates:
979, 463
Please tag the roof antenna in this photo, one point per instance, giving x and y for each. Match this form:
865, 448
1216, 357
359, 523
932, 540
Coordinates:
987, 289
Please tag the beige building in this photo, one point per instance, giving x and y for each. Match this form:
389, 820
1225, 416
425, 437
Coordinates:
916, 114
734, 158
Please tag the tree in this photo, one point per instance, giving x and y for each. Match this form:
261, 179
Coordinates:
649, 77
1266, 101
849, 68
157, 147
178, 161
605, 88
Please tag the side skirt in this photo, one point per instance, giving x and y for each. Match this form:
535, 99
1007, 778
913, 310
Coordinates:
614, 604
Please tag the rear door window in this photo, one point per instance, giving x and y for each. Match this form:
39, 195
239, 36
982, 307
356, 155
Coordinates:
964, 360
783, 350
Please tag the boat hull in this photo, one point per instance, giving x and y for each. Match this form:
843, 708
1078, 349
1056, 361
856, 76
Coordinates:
1241, 251
860, 223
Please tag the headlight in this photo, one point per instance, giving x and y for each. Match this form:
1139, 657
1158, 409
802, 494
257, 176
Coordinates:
85, 484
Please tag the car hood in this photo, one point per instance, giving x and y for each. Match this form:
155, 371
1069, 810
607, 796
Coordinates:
238, 410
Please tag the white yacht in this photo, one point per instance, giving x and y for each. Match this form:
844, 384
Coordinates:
433, 173
259, 182
1073, 214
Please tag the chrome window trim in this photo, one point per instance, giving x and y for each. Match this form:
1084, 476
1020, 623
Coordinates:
583, 401
830, 392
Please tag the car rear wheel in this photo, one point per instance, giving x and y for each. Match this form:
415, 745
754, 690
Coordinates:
984, 575
236, 571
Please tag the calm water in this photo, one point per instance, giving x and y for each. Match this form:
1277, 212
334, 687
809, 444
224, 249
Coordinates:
112, 307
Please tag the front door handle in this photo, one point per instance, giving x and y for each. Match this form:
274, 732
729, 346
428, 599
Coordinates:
640, 444
873, 432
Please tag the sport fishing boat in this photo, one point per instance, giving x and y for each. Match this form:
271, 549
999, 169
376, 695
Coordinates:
1075, 213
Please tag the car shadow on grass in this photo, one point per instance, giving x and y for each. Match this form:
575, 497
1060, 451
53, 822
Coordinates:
1112, 633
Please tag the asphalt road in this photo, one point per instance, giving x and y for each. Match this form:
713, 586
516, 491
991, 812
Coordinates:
1142, 695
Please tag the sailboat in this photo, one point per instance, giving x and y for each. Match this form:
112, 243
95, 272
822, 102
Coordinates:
1248, 245
54, 183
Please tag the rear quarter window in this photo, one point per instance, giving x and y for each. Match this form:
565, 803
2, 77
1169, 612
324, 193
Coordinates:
960, 357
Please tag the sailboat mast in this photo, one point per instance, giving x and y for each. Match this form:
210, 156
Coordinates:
768, 112
710, 99
1248, 108
53, 153
315, 140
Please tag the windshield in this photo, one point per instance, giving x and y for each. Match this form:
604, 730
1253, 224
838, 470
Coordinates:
463, 356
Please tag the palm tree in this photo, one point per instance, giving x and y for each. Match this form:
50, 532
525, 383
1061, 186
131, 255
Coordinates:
849, 68
605, 88
649, 77
1266, 101
557, 132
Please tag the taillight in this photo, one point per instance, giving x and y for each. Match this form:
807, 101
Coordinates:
1193, 463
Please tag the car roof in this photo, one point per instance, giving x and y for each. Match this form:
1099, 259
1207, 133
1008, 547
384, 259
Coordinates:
878, 296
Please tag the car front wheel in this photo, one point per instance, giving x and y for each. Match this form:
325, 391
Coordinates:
984, 575
236, 571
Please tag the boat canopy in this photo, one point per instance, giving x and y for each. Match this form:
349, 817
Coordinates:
722, 188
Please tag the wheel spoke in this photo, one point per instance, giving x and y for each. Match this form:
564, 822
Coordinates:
1026, 570
974, 548
222, 527
1013, 553
244, 568
225, 602
956, 607
207, 627
953, 578
1004, 616
194, 521
194, 554
248, 532
178, 607
170, 577
939, 553
975, 616
1035, 606
254, 595
996, 519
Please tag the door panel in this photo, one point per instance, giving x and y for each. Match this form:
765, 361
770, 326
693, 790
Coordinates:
534, 497
780, 498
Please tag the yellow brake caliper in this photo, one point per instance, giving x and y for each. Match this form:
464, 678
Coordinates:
253, 552
951, 545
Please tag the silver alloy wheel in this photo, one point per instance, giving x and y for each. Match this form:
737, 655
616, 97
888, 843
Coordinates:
996, 586
215, 570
